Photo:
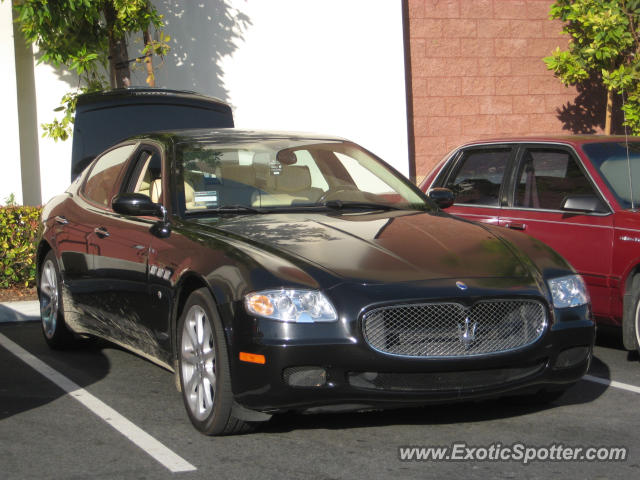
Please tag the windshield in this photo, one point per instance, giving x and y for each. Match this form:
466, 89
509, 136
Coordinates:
289, 174
611, 160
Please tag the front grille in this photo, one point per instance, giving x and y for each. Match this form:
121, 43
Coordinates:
453, 329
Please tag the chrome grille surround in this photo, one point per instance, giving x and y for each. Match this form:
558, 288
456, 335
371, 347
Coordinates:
450, 329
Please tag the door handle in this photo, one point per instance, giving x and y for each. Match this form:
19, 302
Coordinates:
101, 232
516, 226
61, 220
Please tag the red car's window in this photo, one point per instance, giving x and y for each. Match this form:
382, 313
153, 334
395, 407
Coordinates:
619, 166
547, 177
478, 179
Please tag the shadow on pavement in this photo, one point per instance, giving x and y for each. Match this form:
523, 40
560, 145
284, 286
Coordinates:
8, 314
23, 389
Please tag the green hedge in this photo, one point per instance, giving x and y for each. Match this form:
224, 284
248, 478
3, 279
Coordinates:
18, 233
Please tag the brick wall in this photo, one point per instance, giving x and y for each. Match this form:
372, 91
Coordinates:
477, 71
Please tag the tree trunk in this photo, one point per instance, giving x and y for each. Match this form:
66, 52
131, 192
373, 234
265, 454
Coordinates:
148, 61
609, 113
119, 72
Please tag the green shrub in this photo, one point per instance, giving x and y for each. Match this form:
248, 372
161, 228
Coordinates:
18, 233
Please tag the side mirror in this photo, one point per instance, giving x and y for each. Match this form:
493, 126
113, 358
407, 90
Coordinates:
583, 204
136, 205
443, 197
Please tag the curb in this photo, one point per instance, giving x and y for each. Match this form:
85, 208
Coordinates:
22, 311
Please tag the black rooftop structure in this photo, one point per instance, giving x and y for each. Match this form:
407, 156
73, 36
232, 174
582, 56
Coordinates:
104, 118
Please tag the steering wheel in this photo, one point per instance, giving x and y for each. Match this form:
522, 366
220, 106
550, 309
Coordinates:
332, 192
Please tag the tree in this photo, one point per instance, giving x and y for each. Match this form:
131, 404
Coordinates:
89, 38
605, 45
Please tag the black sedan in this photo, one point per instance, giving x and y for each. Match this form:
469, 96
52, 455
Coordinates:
275, 272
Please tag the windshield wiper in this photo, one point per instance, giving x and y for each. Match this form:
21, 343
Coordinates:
339, 205
230, 209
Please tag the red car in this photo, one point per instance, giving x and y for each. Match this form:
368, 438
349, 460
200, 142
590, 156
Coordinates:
578, 194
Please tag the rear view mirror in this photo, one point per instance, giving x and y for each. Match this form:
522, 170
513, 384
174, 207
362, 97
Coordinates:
443, 197
286, 157
136, 205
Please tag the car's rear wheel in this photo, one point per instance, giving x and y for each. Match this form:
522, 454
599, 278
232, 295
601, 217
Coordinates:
54, 327
203, 366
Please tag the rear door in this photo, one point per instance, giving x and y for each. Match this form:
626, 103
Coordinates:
476, 177
544, 176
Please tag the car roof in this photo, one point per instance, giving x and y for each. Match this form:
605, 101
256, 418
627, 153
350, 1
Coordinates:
235, 135
573, 140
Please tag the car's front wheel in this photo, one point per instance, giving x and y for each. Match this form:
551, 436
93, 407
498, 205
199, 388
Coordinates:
54, 327
631, 320
637, 324
203, 366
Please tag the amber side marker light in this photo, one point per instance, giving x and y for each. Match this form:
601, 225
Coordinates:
252, 358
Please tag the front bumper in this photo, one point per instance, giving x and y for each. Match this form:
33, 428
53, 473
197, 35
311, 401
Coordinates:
330, 367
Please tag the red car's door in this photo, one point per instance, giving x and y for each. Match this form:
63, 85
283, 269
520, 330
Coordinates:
545, 177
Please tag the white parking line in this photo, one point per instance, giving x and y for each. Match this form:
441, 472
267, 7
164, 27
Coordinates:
142, 439
612, 383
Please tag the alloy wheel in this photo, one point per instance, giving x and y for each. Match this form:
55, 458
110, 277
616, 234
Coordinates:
198, 363
49, 299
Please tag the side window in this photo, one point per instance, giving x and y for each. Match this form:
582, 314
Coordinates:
101, 182
546, 177
478, 178
147, 176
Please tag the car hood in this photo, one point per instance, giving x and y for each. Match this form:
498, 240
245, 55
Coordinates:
374, 247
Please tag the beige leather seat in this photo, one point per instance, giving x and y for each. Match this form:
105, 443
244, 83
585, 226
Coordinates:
155, 191
291, 185
190, 197
242, 174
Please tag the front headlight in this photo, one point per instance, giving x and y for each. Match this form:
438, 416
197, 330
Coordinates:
291, 305
569, 291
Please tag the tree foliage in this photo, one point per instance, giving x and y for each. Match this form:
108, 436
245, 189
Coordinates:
89, 38
604, 44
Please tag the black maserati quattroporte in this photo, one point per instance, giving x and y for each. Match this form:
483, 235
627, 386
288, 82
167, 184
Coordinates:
275, 272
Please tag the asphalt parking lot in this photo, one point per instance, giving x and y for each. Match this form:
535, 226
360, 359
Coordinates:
100, 412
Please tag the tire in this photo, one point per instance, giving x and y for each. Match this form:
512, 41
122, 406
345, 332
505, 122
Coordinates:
636, 323
203, 365
631, 319
54, 327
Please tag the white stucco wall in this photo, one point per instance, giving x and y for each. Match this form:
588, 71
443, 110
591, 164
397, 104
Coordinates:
55, 157
10, 178
329, 66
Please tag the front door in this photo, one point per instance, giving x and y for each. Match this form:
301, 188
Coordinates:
476, 180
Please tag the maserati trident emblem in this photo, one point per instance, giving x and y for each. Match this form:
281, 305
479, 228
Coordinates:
467, 332
461, 285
